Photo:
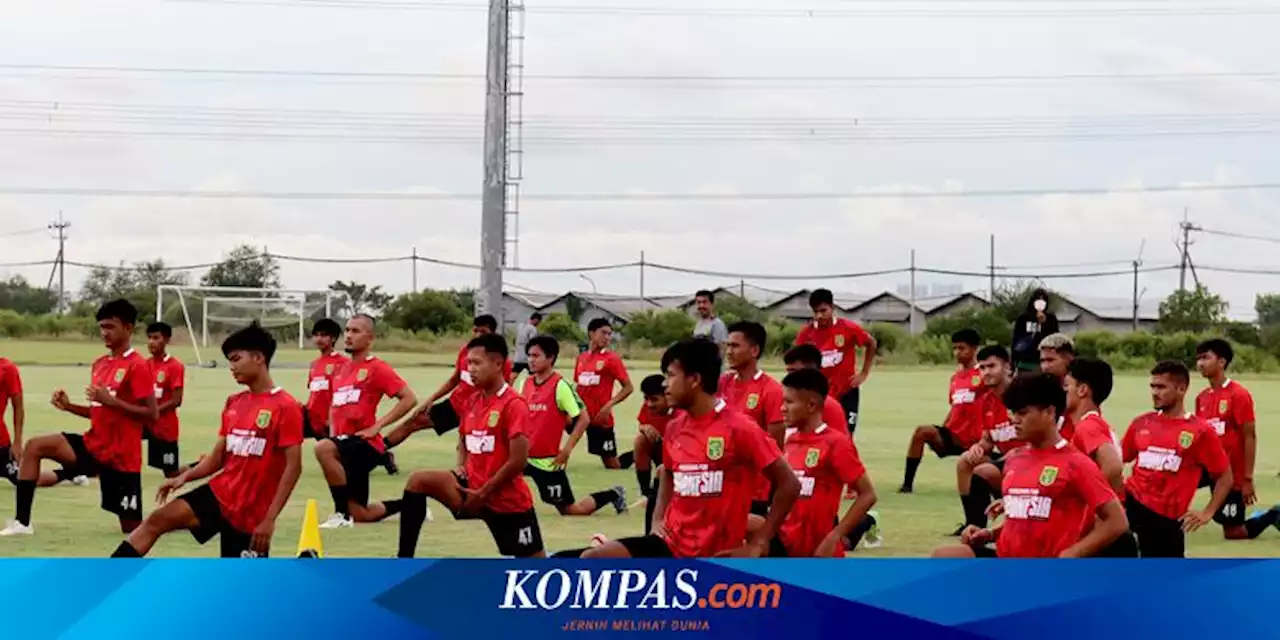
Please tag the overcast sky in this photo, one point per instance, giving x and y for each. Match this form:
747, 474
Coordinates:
574, 142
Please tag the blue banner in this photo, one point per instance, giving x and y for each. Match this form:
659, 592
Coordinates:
784, 599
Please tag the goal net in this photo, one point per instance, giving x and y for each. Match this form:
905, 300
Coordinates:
209, 314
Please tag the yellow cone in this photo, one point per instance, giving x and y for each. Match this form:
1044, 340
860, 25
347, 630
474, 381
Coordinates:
309, 543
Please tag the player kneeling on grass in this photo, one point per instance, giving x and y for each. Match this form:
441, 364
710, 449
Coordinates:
653, 418
963, 426
552, 405
121, 398
825, 461
493, 447
257, 459
712, 456
1052, 492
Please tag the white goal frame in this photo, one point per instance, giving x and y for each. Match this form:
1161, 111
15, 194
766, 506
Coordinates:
264, 295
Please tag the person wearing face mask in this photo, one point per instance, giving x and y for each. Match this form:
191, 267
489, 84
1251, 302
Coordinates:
1030, 328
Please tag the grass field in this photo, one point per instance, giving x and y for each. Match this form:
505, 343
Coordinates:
69, 523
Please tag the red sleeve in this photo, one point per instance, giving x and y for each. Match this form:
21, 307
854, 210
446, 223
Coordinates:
141, 382
1209, 451
860, 336
802, 335
641, 415
178, 375
15, 381
1128, 447
226, 417
1090, 437
845, 460
516, 419
507, 373
1093, 488
772, 399
290, 433
386, 380
619, 369
755, 445
1243, 411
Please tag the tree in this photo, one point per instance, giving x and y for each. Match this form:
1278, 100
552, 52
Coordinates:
245, 266
561, 327
658, 328
137, 284
1196, 310
731, 308
18, 294
1011, 299
358, 297
1267, 306
465, 299
428, 310
574, 307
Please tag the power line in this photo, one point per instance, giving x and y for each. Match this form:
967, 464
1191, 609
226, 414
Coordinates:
1239, 236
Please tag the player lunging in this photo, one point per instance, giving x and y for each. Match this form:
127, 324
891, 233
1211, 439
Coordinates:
963, 426
257, 458
324, 335
552, 406
493, 448
356, 447
712, 457
655, 414
747, 389
978, 470
170, 382
596, 373
121, 398
1056, 502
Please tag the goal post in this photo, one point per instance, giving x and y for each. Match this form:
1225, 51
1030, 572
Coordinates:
208, 313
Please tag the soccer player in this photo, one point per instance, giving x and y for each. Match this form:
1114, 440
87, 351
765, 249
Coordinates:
445, 415
1056, 502
712, 456
493, 448
963, 426
838, 339
1170, 448
527, 331
356, 446
553, 408
1228, 407
596, 372
655, 414
170, 379
121, 398
324, 335
11, 394
257, 458
824, 461
1056, 353
708, 325
807, 356
1088, 385
978, 470
748, 389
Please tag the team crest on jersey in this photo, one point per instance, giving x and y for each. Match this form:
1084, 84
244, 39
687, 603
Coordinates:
715, 448
362, 375
1048, 475
328, 369
494, 416
160, 377
264, 419
1185, 439
119, 376
977, 379
840, 341
811, 458
599, 365
1223, 405
753, 401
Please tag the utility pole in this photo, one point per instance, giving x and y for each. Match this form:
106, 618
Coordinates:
911, 322
991, 284
60, 226
642, 274
1136, 264
1185, 250
493, 232
415, 268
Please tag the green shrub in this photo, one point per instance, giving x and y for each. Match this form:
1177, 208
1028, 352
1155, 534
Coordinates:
561, 327
889, 337
658, 329
782, 335
988, 322
933, 349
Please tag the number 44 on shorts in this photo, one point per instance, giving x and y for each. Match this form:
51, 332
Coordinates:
129, 503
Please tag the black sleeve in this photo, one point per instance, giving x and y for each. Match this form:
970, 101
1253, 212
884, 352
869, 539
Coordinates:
1050, 324
1021, 339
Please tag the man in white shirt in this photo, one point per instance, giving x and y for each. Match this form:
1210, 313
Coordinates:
524, 334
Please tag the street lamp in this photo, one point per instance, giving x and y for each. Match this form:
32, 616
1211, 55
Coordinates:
589, 281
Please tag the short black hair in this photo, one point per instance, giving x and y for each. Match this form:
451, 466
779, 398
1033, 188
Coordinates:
549, 345
486, 321
326, 327
807, 380
491, 343
161, 328
704, 293
121, 310
1040, 390
697, 356
1218, 347
967, 336
654, 385
253, 339
536, 316
1175, 368
993, 351
820, 297
754, 332
596, 324
1096, 374
803, 354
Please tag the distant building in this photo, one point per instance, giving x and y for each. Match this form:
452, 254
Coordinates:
1080, 313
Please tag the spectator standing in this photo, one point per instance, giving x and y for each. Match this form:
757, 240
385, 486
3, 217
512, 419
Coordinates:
1035, 323
527, 331
709, 326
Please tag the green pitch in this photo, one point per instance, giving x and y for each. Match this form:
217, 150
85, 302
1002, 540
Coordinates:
69, 523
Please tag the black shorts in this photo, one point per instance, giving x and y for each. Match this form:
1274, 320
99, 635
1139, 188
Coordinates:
849, 402
8, 466
777, 549
760, 508
553, 486
649, 546
987, 550
162, 454
1158, 536
444, 418
517, 535
601, 441
314, 431
1232, 513
359, 459
950, 446
234, 543
121, 490
1126, 546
